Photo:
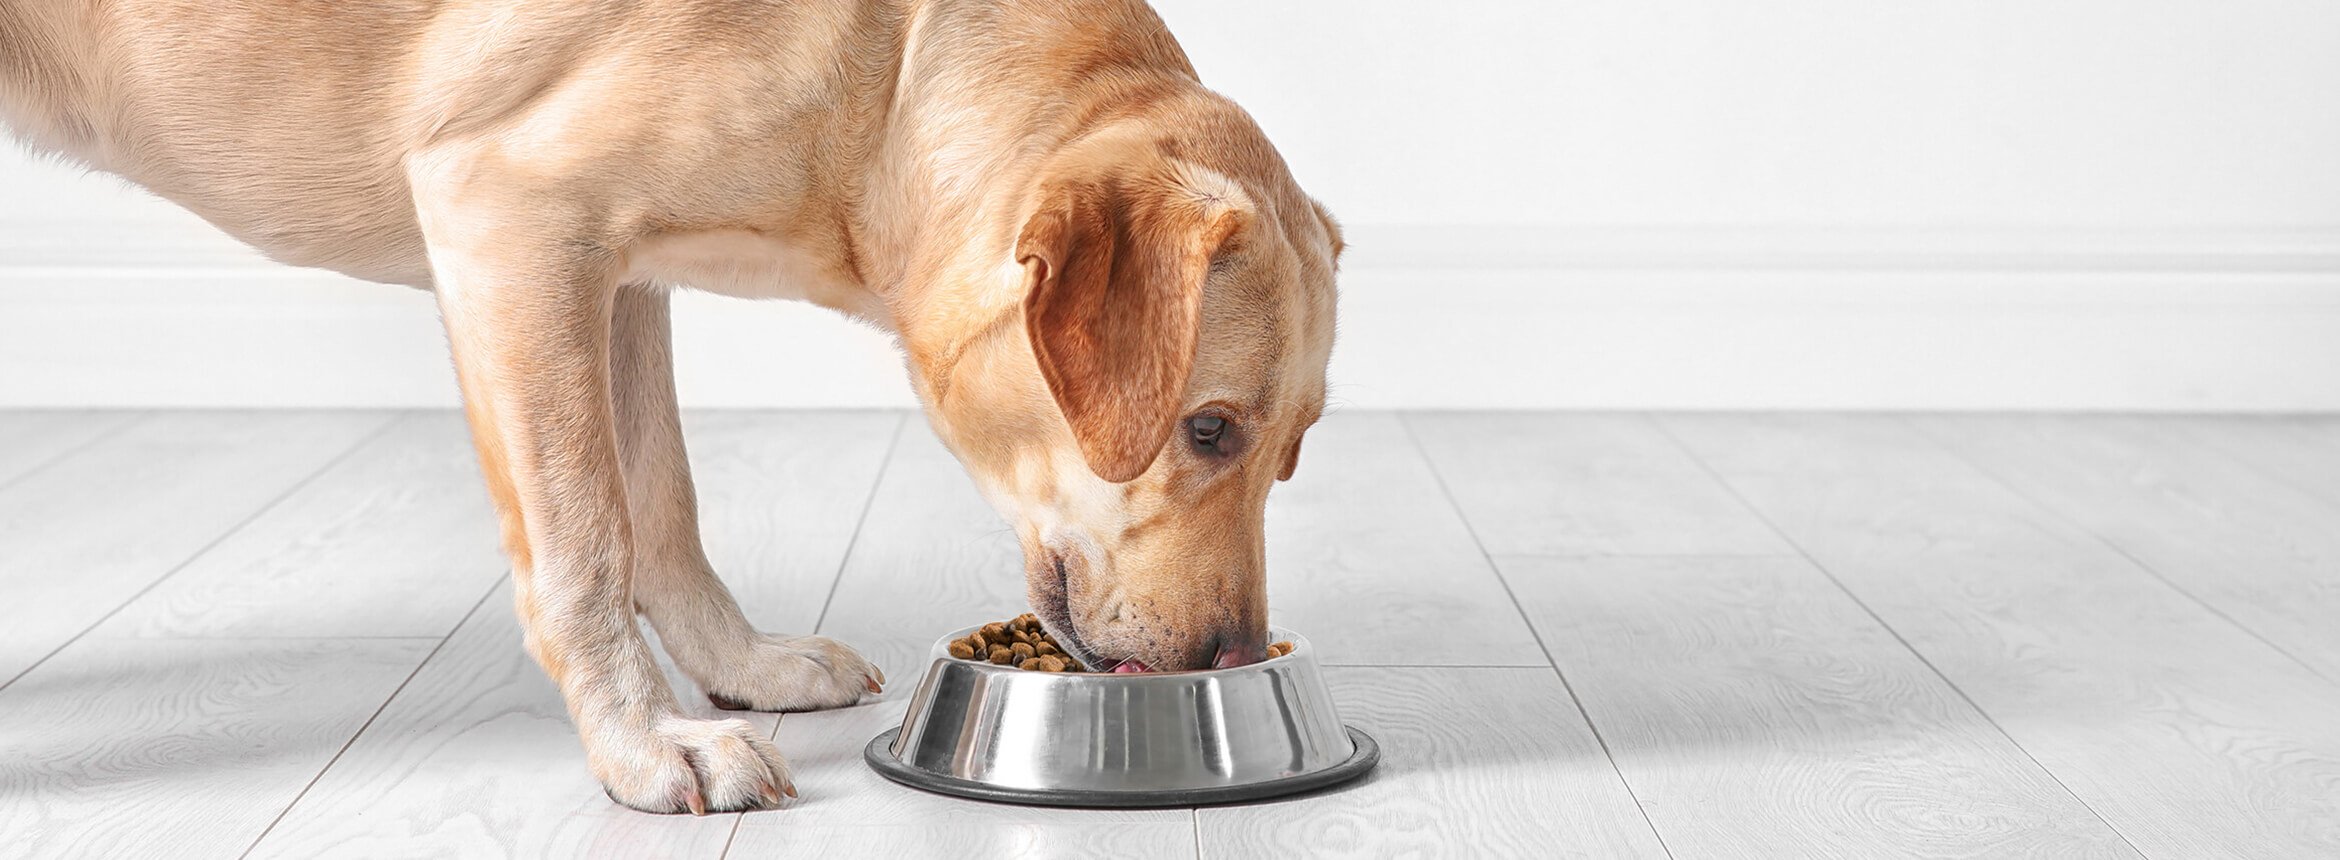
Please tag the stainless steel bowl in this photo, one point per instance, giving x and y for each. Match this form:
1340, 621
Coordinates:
1146, 739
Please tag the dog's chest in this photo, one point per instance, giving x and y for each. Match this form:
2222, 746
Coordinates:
752, 265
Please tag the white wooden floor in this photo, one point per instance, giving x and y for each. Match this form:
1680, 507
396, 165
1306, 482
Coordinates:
1596, 635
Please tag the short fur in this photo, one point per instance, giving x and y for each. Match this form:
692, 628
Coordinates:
1078, 246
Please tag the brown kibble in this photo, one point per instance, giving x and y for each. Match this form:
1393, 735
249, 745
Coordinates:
1022, 642
1279, 649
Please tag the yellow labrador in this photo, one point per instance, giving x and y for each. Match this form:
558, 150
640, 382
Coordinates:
1116, 304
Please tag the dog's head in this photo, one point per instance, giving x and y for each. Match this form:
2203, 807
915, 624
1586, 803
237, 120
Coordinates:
1129, 418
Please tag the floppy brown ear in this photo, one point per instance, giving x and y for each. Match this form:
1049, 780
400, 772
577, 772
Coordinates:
1117, 270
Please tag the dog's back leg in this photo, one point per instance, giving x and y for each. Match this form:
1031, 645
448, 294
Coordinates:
697, 620
528, 305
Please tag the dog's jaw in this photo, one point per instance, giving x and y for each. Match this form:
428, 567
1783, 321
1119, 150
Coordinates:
1051, 602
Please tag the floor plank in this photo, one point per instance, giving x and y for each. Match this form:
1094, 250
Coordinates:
1753, 705
1757, 711
2191, 738
30, 439
396, 539
1364, 552
1033, 840
931, 558
89, 531
780, 494
2300, 450
1592, 484
843, 803
148, 748
476, 757
1475, 763
2252, 547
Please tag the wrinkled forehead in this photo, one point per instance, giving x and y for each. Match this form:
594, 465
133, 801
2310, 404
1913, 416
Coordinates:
1266, 330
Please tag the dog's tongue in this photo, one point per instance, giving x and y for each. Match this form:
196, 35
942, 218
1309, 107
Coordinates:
1130, 666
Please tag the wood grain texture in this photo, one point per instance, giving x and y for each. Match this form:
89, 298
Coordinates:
30, 439
2300, 450
1364, 551
89, 531
1475, 763
1584, 484
146, 748
2254, 548
1033, 840
396, 539
779, 496
2190, 737
1752, 705
1758, 711
477, 755
476, 758
931, 558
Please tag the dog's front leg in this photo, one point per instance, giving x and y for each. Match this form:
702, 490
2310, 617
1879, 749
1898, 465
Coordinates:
674, 586
529, 319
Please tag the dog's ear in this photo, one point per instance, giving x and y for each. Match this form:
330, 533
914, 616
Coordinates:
1332, 229
1116, 269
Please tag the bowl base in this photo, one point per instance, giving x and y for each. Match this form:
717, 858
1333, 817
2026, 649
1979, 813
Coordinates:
879, 754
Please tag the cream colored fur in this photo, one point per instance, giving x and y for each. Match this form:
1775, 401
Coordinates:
548, 168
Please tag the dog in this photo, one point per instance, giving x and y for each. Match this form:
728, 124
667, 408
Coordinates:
1115, 303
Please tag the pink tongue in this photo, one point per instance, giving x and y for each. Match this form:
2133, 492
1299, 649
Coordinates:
1130, 666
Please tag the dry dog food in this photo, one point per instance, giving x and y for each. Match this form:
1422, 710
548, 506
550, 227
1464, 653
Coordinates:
1020, 642
1017, 642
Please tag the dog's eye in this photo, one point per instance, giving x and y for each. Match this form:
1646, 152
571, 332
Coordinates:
1209, 433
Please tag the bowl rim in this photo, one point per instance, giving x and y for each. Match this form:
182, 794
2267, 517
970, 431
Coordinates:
1300, 645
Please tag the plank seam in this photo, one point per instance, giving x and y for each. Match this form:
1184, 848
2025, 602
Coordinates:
2058, 514
370, 718
1993, 722
870, 501
1455, 505
137, 417
224, 534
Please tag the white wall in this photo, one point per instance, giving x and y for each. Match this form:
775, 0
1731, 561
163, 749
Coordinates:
1710, 204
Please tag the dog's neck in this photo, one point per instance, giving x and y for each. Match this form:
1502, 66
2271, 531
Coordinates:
43, 93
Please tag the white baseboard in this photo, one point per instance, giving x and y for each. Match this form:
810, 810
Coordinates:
1430, 318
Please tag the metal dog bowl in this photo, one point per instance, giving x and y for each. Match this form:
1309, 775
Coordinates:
991, 732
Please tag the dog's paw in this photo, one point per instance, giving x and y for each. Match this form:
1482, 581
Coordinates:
794, 673
694, 766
